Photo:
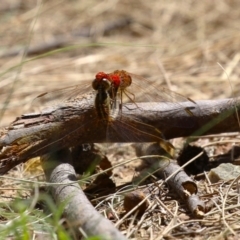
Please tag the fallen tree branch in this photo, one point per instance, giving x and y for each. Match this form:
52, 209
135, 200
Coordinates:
65, 40
79, 212
74, 123
176, 178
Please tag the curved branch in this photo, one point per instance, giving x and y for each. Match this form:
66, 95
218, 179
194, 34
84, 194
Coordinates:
80, 213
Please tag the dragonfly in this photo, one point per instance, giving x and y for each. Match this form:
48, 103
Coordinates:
112, 91
109, 89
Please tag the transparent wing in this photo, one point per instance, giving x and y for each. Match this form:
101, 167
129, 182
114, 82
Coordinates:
151, 91
127, 128
143, 90
59, 96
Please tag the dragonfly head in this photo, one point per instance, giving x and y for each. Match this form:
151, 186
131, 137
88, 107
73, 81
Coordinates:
101, 81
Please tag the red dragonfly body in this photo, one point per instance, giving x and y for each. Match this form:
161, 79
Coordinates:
109, 88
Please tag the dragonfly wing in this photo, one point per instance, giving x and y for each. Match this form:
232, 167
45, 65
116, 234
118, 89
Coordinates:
59, 96
125, 128
143, 90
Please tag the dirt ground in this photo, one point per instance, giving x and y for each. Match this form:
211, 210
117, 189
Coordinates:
191, 47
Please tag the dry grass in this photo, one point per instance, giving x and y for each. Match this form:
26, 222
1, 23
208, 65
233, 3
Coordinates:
174, 43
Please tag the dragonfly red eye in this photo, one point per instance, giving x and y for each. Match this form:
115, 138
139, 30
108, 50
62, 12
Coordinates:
115, 79
101, 75
101, 80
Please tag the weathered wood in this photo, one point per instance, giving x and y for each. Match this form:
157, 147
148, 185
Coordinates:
178, 181
74, 123
81, 215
